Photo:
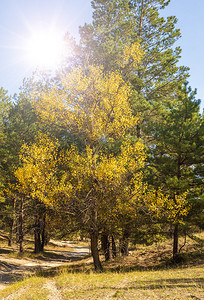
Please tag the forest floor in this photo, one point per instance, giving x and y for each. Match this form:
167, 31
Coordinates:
15, 266
65, 271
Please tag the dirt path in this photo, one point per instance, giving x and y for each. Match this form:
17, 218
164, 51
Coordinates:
14, 269
53, 291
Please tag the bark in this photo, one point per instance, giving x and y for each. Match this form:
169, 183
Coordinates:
175, 241
40, 233
21, 226
138, 127
105, 246
125, 242
37, 235
10, 238
43, 234
185, 240
94, 251
114, 253
9, 242
141, 20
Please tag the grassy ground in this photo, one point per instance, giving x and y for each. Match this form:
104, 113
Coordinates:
178, 283
147, 273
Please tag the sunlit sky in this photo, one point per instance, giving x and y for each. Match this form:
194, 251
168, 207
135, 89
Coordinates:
20, 18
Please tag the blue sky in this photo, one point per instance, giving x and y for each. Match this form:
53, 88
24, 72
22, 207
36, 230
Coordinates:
19, 17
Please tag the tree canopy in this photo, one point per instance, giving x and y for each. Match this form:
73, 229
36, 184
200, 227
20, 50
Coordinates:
111, 142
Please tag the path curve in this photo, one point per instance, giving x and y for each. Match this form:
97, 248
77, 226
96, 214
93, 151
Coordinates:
14, 269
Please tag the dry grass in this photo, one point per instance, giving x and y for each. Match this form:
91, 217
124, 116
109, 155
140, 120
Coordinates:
147, 273
165, 284
159, 256
30, 288
178, 283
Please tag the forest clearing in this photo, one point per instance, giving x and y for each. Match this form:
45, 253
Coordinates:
65, 271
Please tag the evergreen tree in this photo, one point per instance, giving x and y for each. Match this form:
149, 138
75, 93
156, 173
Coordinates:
19, 125
5, 107
123, 22
177, 152
119, 24
5, 206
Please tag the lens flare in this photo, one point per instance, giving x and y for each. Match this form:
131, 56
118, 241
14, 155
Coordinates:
45, 48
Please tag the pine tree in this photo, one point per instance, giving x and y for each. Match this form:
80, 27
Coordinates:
123, 22
5, 206
177, 152
119, 24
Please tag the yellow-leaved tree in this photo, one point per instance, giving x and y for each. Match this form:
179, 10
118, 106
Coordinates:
94, 188
36, 181
94, 184
37, 175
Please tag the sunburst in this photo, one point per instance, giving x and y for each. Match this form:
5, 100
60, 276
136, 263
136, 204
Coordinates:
45, 48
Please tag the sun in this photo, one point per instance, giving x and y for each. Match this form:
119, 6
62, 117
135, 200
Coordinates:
45, 48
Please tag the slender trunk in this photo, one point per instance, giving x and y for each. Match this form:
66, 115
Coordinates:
184, 242
105, 246
21, 226
43, 234
141, 19
12, 224
175, 241
9, 242
114, 253
94, 251
15, 222
125, 242
37, 235
10, 238
139, 90
138, 127
94, 238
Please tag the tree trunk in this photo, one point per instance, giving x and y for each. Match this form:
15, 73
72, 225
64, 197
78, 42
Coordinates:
139, 135
175, 241
114, 253
10, 238
94, 251
21, 226
125, 242
9, 242
43, 233
105, 246
37, 235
